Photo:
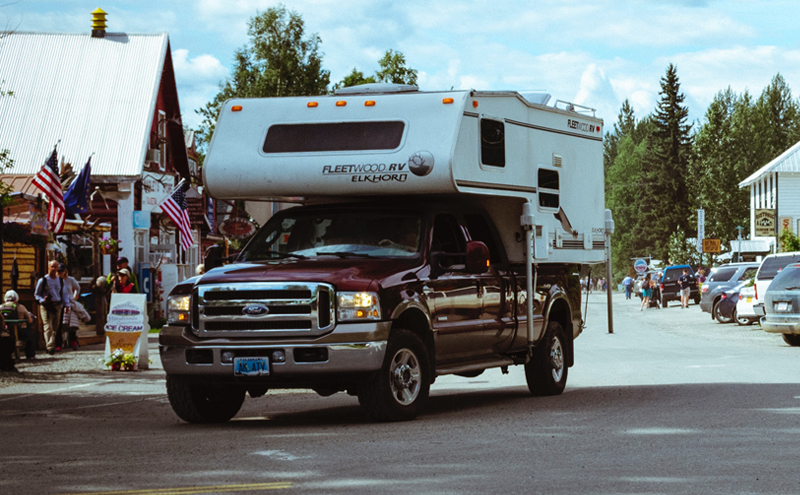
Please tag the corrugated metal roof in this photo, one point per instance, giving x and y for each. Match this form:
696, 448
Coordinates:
751, 246
788, 161
95, 95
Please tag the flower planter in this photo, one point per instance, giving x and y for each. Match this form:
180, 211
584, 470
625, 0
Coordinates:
115, 366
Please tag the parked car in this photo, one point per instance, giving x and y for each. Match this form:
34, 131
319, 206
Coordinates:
782, 305
770, 267
726, 307
721, 280
671, 290
745, 313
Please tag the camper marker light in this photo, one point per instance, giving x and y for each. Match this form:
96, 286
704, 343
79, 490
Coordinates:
236, 108
369, 103
312, 104
474, 104
341, 103
447, 101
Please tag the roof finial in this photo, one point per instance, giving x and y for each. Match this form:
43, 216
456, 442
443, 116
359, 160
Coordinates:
98, 23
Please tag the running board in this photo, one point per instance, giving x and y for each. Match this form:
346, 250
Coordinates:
455, 369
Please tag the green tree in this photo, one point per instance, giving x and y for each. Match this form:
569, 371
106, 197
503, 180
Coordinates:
393, 69
776, 114
278, 61
355, 78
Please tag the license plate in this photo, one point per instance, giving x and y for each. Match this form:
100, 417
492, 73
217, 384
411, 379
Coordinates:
782, 306
251, 366
749, 299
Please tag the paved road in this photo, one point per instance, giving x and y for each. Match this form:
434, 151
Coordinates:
670, 403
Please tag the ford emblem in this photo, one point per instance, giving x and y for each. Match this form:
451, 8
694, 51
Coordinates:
255, 310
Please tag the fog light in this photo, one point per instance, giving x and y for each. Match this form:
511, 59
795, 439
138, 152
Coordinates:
278, 357
227, 357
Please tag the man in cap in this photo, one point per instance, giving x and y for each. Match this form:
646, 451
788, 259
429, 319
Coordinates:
51, 293
122, 263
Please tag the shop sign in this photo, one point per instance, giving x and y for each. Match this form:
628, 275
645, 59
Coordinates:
127, 326
39, 224
765, 222
237, 228
785, 223
196, 211
155, 189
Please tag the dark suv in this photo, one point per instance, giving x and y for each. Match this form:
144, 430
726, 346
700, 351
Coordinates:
722, 279
671, 289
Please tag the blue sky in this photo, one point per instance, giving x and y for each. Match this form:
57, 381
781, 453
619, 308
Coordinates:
593, 52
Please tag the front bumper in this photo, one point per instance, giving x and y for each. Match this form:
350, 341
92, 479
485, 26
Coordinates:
349, 349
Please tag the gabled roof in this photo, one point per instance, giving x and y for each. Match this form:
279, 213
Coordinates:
788, 161
94, 95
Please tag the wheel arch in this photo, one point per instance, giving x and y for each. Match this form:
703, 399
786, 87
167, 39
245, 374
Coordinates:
417, 321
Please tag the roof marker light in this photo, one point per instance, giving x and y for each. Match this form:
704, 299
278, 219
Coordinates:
369, 103
474, 104
312, 104
341, 103
236, 108
447, 101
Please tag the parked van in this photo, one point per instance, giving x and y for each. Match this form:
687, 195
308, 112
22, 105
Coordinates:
770, 267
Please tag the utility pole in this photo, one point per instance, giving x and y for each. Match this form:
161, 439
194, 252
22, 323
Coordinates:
739, 250
609, 230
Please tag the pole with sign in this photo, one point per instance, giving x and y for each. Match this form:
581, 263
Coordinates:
701, 230
640, 266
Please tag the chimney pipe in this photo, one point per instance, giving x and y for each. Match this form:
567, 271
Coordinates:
98, 23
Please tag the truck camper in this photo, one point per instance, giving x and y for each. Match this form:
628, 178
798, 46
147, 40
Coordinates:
436, 233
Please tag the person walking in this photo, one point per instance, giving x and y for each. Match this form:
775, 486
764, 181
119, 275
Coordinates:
51, 293
685, 283
13, 310
647, 292
122, 264
123, 284
627, 283
77, 313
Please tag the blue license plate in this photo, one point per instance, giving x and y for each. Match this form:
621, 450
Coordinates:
251, 366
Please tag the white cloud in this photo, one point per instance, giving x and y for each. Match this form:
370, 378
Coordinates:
198, 81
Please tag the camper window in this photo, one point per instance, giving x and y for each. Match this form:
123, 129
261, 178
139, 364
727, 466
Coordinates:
548, 188
493, 143
334, 136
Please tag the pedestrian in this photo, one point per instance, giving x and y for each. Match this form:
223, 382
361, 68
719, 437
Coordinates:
627, 283
13, 310
77, 313
6, 348
701, 278
685, 283
647, 292
123, 284
51, 293
655, 297
122, 263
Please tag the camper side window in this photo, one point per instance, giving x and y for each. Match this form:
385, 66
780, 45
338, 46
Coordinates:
493, 143
548, 187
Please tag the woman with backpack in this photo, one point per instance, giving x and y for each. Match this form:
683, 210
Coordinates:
647, 293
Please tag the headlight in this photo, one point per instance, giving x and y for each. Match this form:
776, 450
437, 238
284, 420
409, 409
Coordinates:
178, 309
357, 306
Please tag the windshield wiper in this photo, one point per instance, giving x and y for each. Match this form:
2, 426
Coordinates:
345, 254
283, 255
794, 287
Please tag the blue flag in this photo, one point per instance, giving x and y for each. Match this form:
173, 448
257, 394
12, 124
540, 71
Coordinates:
76, 200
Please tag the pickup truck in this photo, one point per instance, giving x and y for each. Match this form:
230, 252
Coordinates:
376, 299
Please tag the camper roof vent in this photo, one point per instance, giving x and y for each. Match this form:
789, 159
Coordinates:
536, 97
372, 88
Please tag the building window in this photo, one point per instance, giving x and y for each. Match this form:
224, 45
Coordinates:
162, 140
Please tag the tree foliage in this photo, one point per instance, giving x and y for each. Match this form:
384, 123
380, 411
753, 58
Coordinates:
392, 69
280, 60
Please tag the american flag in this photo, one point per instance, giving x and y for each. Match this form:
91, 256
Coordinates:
48, 181
177, 209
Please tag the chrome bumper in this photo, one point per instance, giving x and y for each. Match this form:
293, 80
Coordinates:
780, 326
351, 348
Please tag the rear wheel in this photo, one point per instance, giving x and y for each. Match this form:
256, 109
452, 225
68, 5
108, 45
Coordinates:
719, 316
697, 300
546, 372
397, 391
201, 403
741, 321
664, 302
792, 339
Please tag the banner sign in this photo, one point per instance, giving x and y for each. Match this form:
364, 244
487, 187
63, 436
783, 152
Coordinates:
701, 229
712, 245
39, 224
127, 326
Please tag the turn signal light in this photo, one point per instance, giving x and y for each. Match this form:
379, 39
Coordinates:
236, 108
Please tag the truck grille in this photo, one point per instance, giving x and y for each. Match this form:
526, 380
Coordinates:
262, 309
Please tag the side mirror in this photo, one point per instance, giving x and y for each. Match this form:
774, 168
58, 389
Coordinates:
477, 257
213, 257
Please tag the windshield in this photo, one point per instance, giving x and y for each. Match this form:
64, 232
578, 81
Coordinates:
772, 265
786, 279
343, 233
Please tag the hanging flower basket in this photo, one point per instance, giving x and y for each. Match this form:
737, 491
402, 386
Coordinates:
109, 245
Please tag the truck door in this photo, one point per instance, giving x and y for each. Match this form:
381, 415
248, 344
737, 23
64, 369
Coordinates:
494, 287
457, 307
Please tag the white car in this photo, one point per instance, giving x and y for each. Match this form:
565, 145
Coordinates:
744, 307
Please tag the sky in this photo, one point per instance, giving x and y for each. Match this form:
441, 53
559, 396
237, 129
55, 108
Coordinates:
596, 53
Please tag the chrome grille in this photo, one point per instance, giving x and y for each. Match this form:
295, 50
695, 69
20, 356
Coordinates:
288, 310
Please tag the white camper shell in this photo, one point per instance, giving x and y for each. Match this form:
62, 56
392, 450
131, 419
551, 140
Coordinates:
377, 141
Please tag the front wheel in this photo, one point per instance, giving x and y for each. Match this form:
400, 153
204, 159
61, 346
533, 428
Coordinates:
397, 391
719, 316
200, 403
741, 321
792, 339
546, 372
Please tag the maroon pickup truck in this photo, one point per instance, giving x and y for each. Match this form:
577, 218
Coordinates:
376, 299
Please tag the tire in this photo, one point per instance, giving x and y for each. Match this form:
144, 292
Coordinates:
696, 300
398, 390
741, 321
664, 302
200, 403
722, 319
792, 339
546, 372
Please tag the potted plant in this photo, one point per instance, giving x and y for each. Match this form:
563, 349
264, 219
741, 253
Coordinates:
109, 245
119, 360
